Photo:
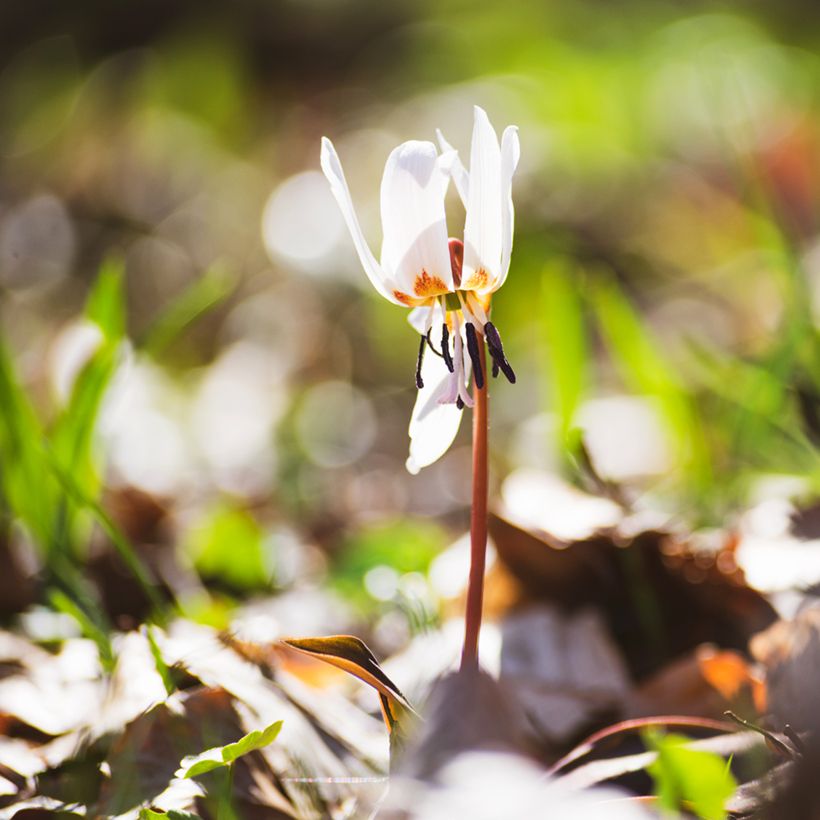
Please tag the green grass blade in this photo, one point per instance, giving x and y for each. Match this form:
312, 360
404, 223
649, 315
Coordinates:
202, 295
564, 331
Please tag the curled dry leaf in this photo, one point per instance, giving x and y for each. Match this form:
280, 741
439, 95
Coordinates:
352, 655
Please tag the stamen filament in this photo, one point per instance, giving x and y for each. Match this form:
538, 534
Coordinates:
445, 347
430, 344
422, 345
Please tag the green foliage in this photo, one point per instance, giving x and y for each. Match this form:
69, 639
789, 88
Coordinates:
71, 438
203, 294
566, 348
163, 670
27, 489
220, 756
697, 781
644, 369
83, 608
229, 545
403, 545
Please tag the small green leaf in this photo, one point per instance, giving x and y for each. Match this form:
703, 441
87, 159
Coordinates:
250, 742
230, 545
685, 778
150, 814
220, 756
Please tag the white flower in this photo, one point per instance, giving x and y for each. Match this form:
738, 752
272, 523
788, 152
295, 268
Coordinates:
447, 283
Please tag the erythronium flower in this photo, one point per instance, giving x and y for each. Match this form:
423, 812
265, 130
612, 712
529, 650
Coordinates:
447, 283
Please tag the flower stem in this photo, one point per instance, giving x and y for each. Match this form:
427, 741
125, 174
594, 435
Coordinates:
478, 521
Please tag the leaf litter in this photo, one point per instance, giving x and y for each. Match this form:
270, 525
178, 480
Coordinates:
566, 650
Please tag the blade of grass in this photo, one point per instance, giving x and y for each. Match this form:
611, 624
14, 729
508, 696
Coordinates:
72, 435
205, 293
24, 479
637, 357
567, 355
121, 544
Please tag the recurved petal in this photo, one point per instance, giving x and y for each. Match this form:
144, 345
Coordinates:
510, 154
332, 168
421, 319
483, 226
433, 426
452, 164
415, 249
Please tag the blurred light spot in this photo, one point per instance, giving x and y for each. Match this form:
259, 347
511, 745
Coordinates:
36, 243
413, 585
70, 353
449, 571
777, 564
375, 493
625, 438
382, 582
301, 222
287, 320
238, 402
543, 501
336, 424
533, 443
726, 80
151, 456
41, 624
145, 443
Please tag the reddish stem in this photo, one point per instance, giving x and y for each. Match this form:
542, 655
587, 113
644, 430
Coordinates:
478, 520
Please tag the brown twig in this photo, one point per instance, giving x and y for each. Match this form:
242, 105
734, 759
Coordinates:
636, 724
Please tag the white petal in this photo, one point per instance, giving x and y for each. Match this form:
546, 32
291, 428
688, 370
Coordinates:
510, 153
421, 319
483, 227
452, 164
433, 426
415, 249
332, 168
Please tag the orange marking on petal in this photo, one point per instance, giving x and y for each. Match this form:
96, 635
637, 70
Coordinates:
426, 285
478, 280
404, 298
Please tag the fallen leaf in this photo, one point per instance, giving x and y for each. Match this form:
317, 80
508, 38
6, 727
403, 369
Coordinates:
352, 655
659, 598
790, 654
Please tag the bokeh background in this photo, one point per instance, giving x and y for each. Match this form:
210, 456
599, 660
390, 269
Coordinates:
198, 378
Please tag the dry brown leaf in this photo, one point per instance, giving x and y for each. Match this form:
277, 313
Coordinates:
353, 656
466, 711
790, 654
659, 598
705, 682
563, 670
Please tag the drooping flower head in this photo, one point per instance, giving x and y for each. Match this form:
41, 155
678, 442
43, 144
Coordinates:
447, 283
